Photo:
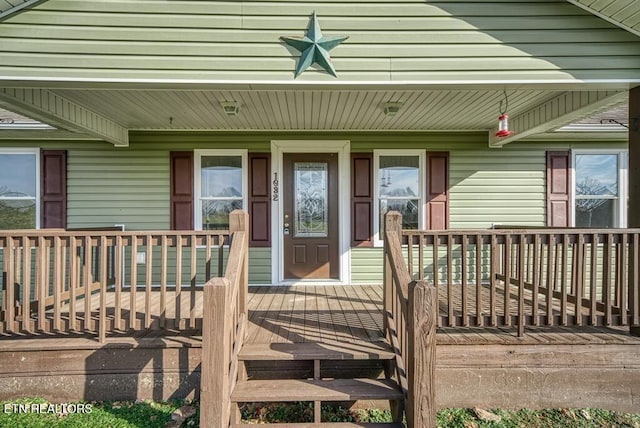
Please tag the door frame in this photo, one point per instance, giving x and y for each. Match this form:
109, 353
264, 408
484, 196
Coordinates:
343, 149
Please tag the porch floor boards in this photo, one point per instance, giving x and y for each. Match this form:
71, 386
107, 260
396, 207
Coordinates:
295, 314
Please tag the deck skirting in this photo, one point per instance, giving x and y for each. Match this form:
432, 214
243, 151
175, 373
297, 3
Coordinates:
514, 373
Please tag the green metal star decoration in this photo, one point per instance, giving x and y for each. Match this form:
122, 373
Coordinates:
314, 47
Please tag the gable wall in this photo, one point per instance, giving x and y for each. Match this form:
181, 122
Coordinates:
232, 40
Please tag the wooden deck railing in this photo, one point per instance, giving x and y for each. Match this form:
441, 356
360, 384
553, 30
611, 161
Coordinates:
102, 282
223, 330
410, 309
530, 277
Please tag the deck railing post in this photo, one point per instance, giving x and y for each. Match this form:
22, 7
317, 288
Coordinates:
421, 359
392, 223
633, 278
214, 384
239, 221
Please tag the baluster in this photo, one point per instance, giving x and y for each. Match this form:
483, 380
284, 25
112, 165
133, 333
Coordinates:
119, 272
74, 282
148, 282
9, 268
26, 285
536, 280
133, 284
163, 282
464, 292
593, 284
192, 290
479, 315
436, 274
606, 270
622, 279
41, 283
178, 292
88, 324
579, 260
563, 278
495, 254
551, 276
508, 269
102, 333
522, 267
450, 301
58, 279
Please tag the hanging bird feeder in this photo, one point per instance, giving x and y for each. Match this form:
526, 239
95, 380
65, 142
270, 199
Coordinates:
503, 119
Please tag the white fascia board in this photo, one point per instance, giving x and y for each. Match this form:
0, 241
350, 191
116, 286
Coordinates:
556, 112
51, 108
605, 17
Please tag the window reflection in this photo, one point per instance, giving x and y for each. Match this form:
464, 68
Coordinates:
399, 189
596, 190
18, 195
311, 199
220, 190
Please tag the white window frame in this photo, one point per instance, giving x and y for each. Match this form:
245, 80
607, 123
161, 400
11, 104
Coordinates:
28, 151
623, 182
198, 154
421, 154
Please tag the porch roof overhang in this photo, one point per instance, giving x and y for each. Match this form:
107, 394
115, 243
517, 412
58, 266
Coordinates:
108, 111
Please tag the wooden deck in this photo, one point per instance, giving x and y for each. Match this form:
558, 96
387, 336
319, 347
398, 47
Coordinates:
295, 314
484, 366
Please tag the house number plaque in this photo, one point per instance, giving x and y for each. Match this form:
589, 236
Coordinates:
275, 186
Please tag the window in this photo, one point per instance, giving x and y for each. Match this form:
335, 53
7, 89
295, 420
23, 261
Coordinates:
399, 178
600, 189
19, 189
220, 187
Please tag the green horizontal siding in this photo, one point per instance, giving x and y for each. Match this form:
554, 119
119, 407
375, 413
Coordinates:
229, 40
497, 187
366, 265
108, 187
260, 266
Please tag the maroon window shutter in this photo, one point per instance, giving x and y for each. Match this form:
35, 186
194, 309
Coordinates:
259, 199
558, 188
361, 199
437, 190
53, 185
181, 199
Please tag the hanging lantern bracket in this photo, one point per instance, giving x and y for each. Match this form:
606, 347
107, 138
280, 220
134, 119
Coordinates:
506, 103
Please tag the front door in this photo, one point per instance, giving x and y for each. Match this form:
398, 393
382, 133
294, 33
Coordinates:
310, 216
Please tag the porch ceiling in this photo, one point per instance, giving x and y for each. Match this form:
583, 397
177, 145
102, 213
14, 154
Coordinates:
307, 109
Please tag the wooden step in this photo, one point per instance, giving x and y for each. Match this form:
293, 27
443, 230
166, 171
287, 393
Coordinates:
324, 425
316, 351
283, 390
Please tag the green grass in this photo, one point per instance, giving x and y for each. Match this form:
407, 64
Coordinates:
149, 414
126, 414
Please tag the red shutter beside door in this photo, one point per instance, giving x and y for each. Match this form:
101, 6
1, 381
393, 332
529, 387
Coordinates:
558, 188
437, 190
181, 199
53, 189
260, 199
361, 199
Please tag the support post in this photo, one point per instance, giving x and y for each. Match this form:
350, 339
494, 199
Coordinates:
421, 361
633, 217
392, 223
215, 403
239, 221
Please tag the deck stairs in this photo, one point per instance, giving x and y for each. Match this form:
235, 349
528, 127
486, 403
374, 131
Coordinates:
325, 360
